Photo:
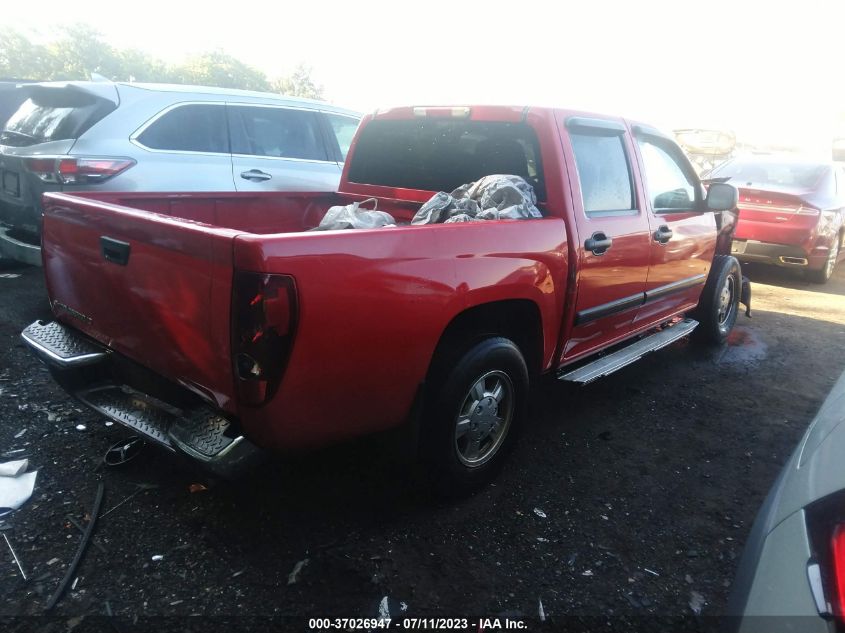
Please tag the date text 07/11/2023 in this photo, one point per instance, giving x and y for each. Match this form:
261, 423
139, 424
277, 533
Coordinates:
410, 624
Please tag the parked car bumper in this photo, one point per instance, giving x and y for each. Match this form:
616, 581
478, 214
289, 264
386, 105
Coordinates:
786, 255
19, 250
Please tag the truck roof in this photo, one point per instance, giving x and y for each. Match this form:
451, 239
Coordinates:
514, 113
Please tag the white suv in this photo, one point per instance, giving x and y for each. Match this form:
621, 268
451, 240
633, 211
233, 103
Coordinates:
69, 136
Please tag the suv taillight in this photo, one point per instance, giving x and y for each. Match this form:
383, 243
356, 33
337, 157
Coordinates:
837, 547
264, 313
72, 170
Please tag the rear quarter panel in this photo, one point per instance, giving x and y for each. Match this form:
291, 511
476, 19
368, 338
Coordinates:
372, 308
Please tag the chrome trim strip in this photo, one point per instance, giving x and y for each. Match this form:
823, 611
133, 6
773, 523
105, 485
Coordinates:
677, 286
296, 160
771, 208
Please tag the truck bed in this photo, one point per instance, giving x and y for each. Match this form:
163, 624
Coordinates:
151, 277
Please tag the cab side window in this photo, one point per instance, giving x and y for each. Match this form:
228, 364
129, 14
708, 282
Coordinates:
603, 173
668, 185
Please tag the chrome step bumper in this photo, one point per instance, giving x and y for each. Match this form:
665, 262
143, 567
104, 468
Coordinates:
196, 430
62, 346
201, 433
627, 355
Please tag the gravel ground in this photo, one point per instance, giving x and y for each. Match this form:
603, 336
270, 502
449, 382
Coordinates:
625, 500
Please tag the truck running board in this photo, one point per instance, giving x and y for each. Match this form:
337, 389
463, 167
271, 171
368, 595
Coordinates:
627, 355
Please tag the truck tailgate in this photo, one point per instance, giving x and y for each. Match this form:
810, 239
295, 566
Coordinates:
154, 288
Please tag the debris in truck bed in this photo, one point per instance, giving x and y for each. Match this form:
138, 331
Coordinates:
494, 197
351, 216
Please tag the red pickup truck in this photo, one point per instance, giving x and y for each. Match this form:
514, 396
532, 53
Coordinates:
220, 325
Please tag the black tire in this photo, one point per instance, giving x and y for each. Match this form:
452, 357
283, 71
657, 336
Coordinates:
823, 274
446, 451
715, 315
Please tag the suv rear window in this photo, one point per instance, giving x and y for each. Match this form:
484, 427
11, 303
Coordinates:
443, 154
189, 128
53, 114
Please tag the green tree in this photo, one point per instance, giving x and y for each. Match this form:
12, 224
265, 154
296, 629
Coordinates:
80, 51
136, 65
21, 59
222, 70
298, 84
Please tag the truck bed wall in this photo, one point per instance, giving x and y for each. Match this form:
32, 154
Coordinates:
260, 213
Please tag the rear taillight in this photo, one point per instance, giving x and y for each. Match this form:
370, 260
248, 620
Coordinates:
803, 210
264, 314
71, 170
837, 547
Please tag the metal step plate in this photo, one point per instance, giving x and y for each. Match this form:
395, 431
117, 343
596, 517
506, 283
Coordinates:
61, 345
627, 355
201, 434
133, 409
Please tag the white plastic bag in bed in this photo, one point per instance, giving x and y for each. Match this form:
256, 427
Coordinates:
351, 216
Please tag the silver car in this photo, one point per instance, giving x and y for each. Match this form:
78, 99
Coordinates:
71, 136
792, 574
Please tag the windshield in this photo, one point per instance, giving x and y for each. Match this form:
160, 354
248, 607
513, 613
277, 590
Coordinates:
441, 155
786, 174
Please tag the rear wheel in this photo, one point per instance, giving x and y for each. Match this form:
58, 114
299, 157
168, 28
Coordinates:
823, 274
719, 304
475, 412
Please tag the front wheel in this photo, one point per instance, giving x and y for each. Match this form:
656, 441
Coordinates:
719, 304
476, 411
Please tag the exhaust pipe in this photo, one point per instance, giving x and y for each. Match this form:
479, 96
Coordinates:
793, 261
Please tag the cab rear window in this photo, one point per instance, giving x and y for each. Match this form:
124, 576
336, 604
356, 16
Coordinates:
53, 114
441, 155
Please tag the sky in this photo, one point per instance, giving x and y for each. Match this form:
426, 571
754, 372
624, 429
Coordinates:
772, 72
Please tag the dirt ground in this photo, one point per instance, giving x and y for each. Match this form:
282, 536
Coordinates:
621, 500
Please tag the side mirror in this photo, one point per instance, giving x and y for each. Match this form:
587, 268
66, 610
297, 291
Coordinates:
721, 197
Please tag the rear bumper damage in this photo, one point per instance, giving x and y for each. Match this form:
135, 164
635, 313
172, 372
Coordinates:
162, 412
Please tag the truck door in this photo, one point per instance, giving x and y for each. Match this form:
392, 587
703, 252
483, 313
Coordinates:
613, 233
683, 234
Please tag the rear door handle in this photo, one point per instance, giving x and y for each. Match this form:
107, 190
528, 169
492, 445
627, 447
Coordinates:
598, 243
663, 234
255, 175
